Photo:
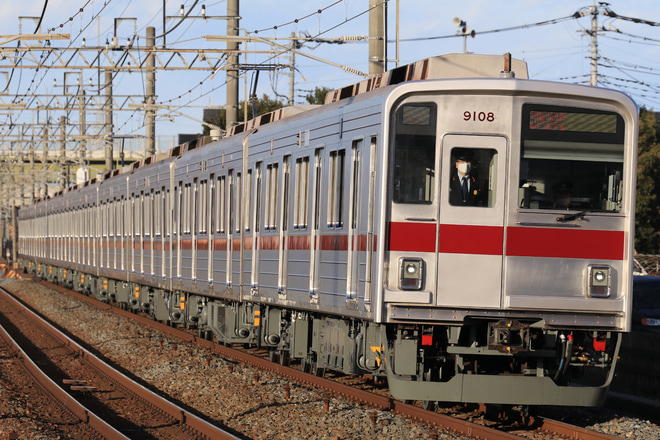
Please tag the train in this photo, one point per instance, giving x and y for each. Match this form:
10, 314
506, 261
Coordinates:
449, 225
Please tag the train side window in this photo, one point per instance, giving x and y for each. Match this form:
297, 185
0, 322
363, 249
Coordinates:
121, 218
285, 191
237, 208
140, 211
220, 204
178, 215
165, 213
248, 201
204, 219
195, 211
414, 153
187, 208
134, 215
336, 188
270, 214
111, 218
230, 202
212, 204
318, 171
301, 193
257, 196
355, 190
473, 177
148, 213
103, 219
158, 213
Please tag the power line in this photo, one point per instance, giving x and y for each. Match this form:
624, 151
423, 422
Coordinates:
492, 31
297, 20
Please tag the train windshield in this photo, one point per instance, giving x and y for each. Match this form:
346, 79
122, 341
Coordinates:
571, 159
414, 153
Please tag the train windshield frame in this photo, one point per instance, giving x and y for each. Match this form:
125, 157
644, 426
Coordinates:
571, 159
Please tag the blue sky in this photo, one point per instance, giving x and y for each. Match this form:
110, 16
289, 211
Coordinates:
628, 50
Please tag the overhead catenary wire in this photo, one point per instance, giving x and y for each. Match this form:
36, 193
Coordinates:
41, 18
180, 100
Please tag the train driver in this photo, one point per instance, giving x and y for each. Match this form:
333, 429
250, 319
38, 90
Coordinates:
464, 187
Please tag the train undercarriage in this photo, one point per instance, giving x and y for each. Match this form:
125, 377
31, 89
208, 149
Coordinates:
482, 360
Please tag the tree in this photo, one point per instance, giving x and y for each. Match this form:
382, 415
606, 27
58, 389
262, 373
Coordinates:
317, 96
264, 105
647, 211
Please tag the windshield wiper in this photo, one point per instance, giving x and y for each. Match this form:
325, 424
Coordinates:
571, 217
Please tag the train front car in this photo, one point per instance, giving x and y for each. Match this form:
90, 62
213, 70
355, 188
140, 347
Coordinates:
512, 287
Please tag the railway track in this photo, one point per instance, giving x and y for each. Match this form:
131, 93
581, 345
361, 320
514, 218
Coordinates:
111, 404
375, 401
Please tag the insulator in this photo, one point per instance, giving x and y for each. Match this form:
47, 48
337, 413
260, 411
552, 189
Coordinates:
352, 70
353, 38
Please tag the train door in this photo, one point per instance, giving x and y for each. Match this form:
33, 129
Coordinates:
471, 221
315, 248
353, 254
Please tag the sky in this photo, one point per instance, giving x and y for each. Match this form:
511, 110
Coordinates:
546, 34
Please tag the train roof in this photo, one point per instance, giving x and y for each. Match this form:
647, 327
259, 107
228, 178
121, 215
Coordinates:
440, 67
452, 66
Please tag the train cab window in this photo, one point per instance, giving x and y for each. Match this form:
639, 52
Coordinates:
473, 177
571, 159
414, 153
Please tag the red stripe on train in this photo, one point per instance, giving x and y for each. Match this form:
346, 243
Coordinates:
412, 237
565, 243
520, 241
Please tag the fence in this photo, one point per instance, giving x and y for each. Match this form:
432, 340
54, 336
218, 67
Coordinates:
649, 263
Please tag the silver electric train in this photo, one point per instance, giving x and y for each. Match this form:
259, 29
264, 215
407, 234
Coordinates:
451, 225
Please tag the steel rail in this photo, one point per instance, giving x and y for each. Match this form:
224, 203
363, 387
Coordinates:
183, 416
58, 393
351, 393
571, 431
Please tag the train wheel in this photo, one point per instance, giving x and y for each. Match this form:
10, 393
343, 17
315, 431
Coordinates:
310, 366
429, 405
306, 365
285, 358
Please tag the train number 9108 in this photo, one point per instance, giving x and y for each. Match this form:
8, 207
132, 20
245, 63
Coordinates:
479, 116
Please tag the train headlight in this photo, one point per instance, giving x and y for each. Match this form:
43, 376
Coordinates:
599, 280
412, 273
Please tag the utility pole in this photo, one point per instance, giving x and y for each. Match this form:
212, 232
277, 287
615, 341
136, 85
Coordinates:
594, 46
377, 37
45, 136
292, 72
31, 154
232, 63
83, 123
62, 156
109, 129
151, 93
